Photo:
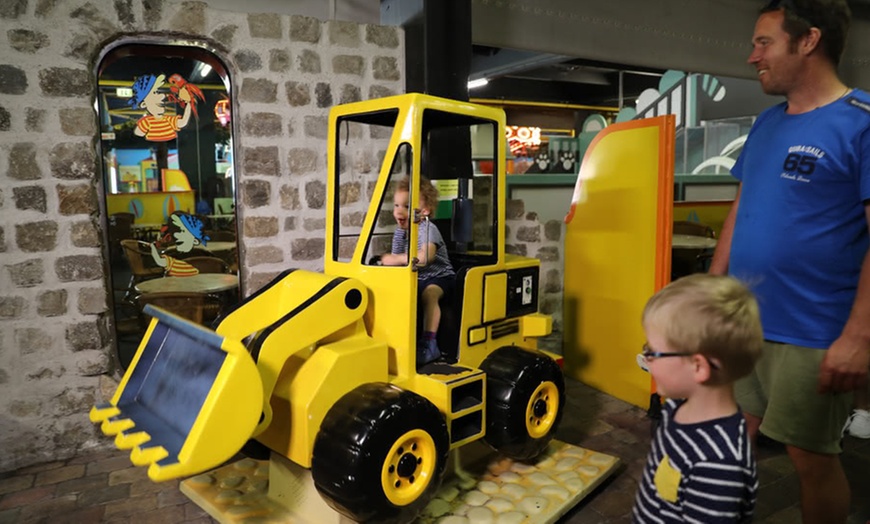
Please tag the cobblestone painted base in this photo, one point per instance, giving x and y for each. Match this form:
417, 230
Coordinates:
480, 487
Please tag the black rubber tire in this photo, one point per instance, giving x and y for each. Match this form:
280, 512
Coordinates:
521, 414
375, 446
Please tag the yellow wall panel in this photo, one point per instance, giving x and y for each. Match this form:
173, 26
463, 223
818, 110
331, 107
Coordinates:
150, 208
617, 253
710, 213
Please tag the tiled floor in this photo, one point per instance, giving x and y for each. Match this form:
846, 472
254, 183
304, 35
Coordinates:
104, 487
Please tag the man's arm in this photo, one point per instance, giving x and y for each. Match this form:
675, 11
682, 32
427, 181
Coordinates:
846, 362
719, 263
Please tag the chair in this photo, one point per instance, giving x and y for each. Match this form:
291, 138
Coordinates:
120, 228
206, 264
687, 227
685, 261
224, 206
142, 265
201, 308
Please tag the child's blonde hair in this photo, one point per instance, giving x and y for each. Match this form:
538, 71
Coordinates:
428, 193
714, 315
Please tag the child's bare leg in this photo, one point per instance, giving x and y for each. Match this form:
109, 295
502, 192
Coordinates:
431, 309
427, 350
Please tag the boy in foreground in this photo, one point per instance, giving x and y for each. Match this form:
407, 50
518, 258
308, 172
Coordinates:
703, 332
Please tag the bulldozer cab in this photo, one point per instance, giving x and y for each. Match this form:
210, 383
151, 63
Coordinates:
373, 145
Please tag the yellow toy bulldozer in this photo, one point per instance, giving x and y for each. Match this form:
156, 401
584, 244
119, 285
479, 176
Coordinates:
321, 367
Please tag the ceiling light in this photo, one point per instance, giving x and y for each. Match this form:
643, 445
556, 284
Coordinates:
480, 82
203, 70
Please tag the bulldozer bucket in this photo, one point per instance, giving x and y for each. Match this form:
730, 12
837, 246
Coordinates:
188, 402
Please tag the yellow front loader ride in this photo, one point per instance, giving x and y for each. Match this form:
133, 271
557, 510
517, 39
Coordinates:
321, 367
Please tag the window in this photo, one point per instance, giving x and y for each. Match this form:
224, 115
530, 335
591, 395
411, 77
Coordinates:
166, 144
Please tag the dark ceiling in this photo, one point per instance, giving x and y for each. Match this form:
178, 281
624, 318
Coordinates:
529, 76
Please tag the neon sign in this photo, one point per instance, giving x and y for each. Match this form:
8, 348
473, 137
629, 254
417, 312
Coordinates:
222, 111
521, 137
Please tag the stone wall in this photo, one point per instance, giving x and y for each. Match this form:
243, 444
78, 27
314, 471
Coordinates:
55, 341
287, 71
527, 236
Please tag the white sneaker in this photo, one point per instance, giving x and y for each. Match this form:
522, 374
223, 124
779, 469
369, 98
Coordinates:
858, 424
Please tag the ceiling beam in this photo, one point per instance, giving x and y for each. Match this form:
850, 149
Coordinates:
665, 34
509, 88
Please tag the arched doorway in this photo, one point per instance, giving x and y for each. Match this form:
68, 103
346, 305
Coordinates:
166, 144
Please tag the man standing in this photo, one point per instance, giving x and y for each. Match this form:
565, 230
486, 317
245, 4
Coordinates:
798, 234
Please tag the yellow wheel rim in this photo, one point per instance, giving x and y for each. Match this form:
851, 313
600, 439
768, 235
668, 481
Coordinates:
542, 409
409, 467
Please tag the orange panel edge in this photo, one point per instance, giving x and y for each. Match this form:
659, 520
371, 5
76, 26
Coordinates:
664, 219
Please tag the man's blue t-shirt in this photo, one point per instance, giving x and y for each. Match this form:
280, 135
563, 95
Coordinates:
801, 235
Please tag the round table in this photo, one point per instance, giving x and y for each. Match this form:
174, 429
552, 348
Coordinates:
219, 245
203, 283
692, 242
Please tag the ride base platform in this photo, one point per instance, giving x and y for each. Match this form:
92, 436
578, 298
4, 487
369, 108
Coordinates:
480, 486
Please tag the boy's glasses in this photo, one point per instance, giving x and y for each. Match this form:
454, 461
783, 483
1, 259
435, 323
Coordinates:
649, 353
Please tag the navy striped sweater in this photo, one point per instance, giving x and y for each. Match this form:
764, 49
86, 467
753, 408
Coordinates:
701, 473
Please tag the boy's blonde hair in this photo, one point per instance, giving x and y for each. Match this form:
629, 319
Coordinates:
714, 315
428, 193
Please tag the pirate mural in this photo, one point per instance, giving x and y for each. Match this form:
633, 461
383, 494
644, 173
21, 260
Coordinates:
188, 234
166, 141
156, 126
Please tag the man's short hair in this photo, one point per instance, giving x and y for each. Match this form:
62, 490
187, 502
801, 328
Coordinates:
831, 17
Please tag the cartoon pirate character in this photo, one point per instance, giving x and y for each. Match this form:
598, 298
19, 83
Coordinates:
189, 234
154, 126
